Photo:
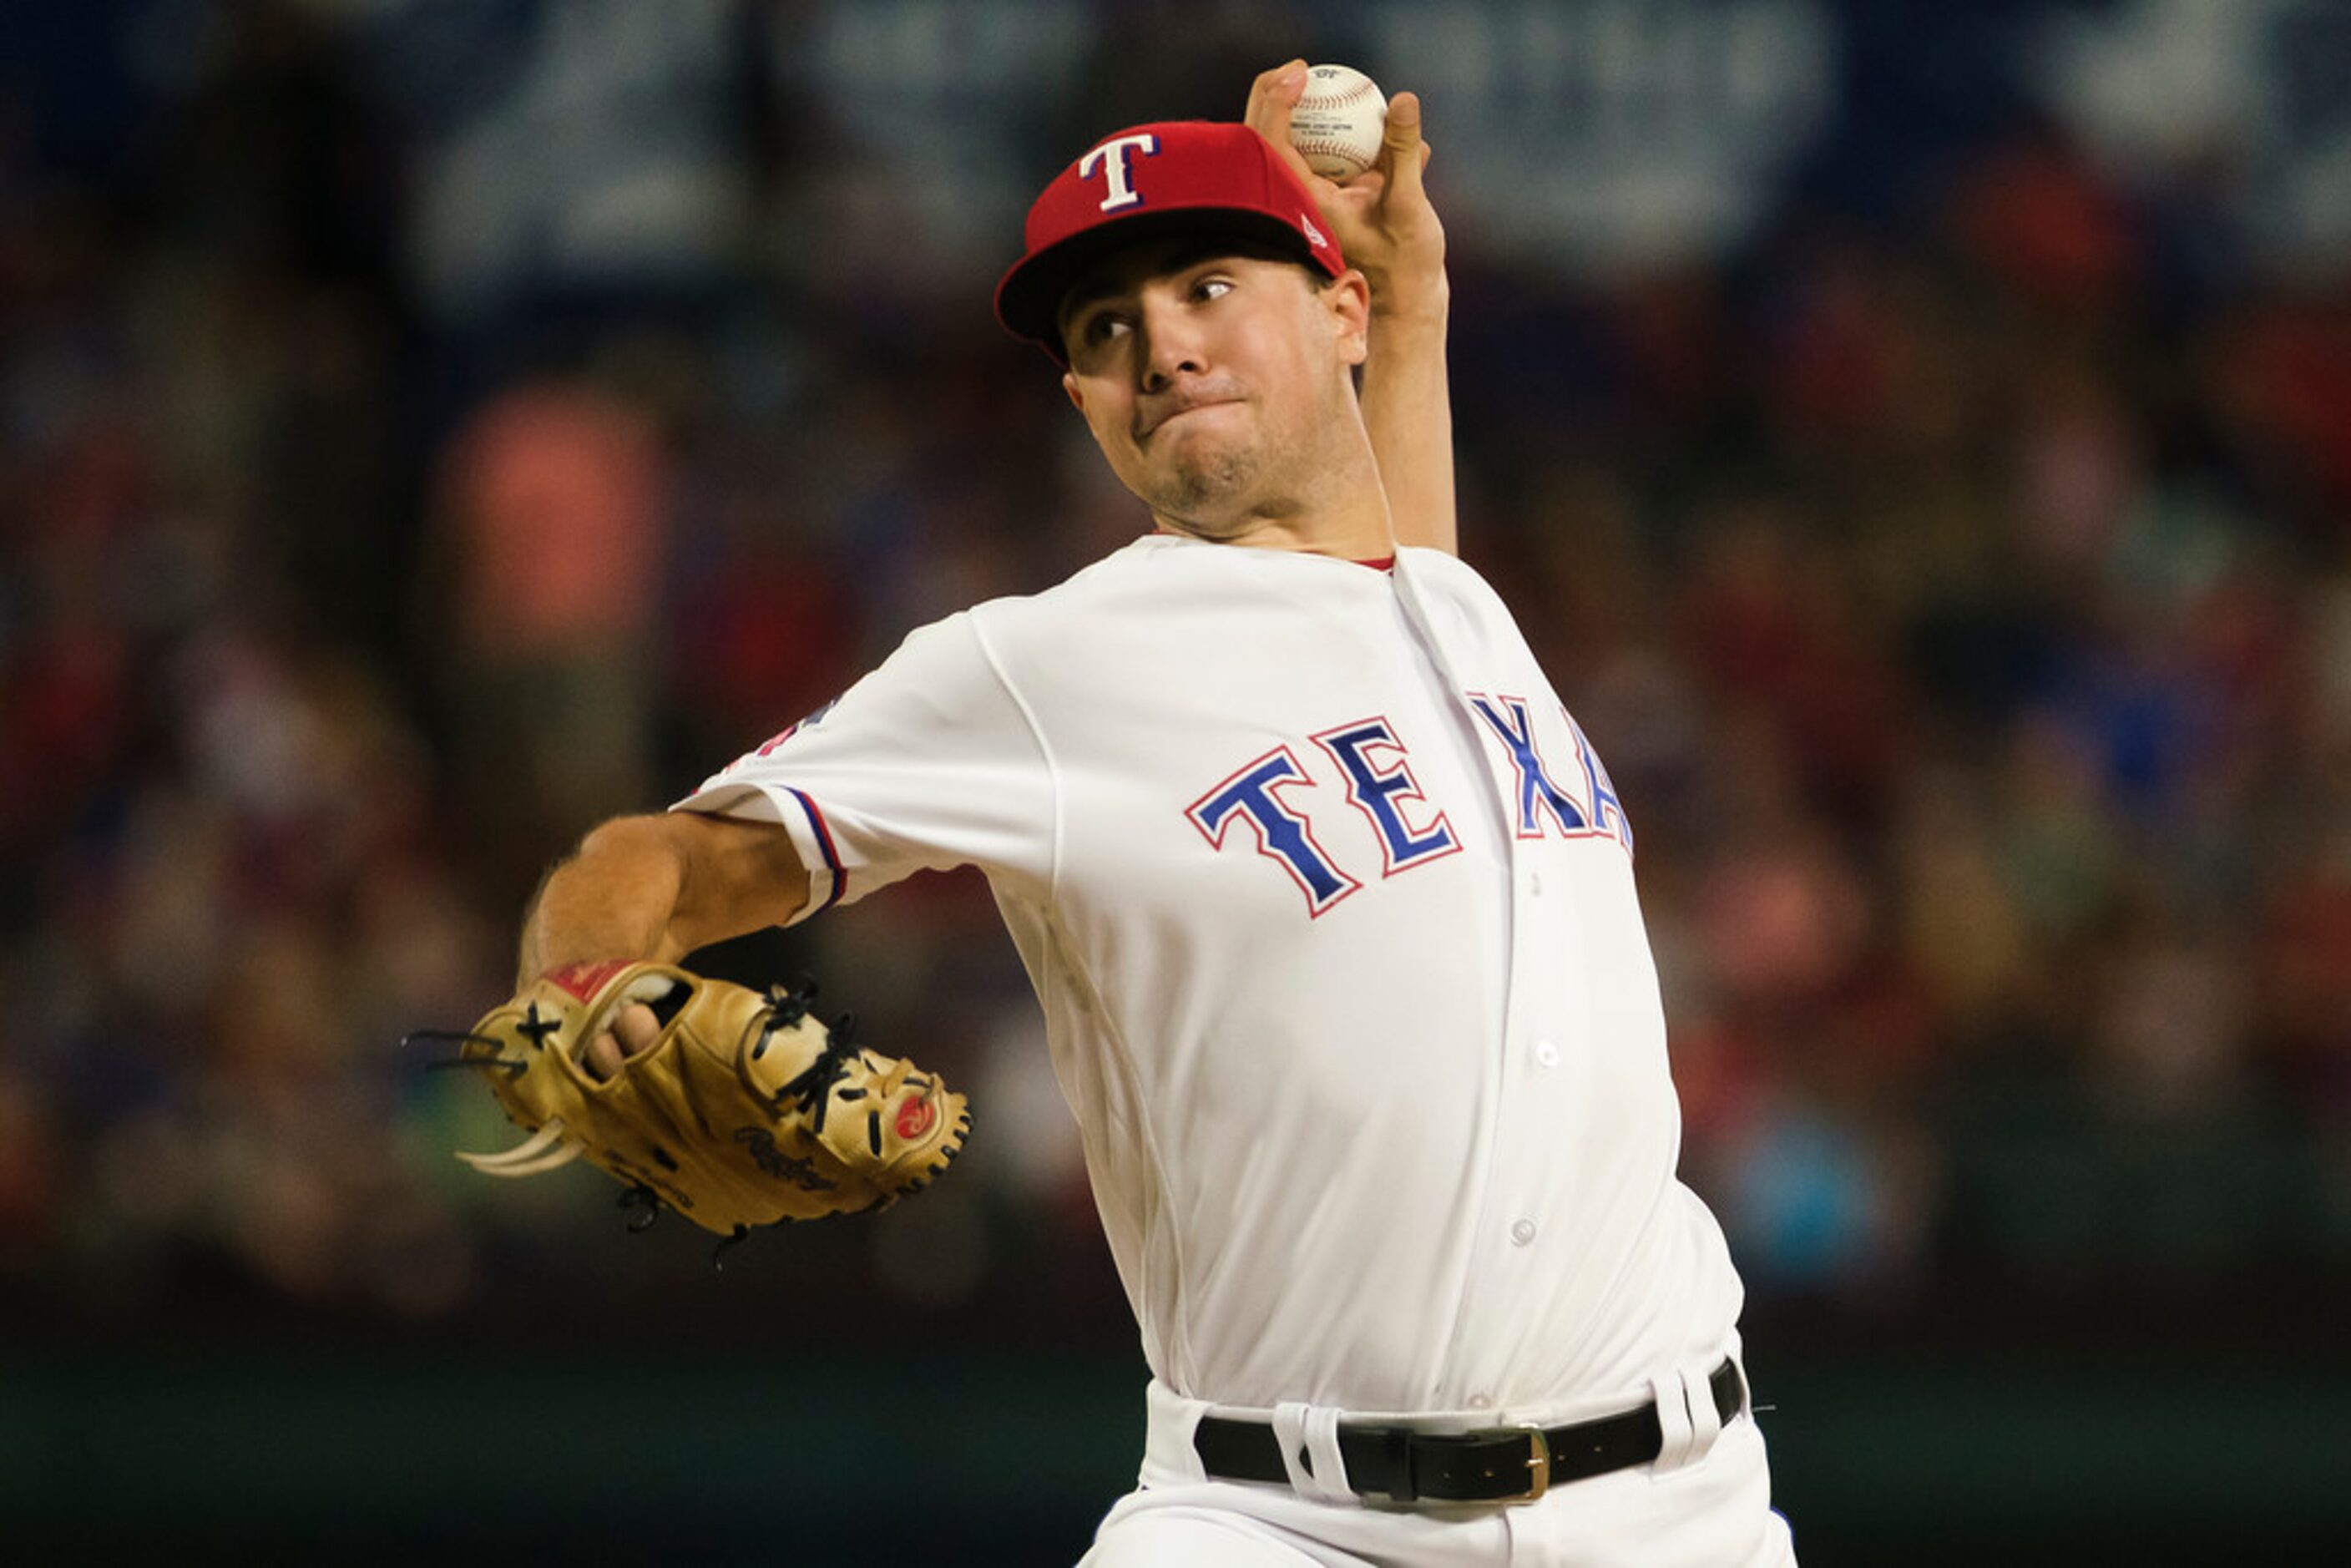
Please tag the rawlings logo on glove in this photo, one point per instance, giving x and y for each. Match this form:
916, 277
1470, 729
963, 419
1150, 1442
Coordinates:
746, 1109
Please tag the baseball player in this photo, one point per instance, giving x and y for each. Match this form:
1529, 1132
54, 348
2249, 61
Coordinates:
1328, 901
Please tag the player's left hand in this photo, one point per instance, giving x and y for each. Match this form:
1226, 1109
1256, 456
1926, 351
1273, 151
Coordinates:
1381, 217
735, 1107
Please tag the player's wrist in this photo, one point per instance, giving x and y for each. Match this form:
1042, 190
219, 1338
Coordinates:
1414, 300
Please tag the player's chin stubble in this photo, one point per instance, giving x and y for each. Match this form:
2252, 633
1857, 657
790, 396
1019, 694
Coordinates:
1199, 489
1218, 485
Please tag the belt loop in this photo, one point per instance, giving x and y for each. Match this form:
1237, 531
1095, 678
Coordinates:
1169, 1457
1309, 1438
1673, 1422
1706, 1420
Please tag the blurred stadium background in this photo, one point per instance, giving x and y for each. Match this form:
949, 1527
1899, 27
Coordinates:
1917, 435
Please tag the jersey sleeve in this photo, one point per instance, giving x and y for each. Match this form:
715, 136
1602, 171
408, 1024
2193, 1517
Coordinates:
927, 763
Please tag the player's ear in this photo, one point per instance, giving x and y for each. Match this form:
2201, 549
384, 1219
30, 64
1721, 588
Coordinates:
1077, 394
1348, 299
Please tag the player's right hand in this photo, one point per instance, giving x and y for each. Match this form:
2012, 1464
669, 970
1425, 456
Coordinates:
1381, 217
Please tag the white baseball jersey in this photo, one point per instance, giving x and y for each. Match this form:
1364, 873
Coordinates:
1331, 908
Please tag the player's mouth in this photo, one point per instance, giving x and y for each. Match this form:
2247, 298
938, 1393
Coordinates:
1149, 420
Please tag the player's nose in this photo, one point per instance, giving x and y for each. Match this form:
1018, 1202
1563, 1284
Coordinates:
1171, 347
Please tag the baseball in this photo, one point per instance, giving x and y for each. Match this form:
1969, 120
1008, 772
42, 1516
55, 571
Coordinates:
1339, 120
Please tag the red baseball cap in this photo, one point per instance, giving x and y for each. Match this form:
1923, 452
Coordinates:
1176, 177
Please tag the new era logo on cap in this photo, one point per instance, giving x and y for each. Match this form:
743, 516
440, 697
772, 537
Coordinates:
1173, 178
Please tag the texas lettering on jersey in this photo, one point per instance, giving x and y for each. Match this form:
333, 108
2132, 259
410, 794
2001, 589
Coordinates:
1261, 799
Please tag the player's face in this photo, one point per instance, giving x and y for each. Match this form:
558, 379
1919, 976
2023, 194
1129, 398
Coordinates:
1218, 383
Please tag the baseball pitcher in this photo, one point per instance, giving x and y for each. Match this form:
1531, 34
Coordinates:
1328, 901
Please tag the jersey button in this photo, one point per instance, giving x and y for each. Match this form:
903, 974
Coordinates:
1522, 1232
1546, 1053
1480, 1401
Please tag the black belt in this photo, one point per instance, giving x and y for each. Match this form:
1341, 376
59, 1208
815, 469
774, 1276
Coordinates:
1501, 1463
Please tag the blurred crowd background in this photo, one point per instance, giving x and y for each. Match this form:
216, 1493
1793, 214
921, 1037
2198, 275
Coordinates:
1918, 439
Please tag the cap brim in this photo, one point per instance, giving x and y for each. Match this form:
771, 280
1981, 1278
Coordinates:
1028, 301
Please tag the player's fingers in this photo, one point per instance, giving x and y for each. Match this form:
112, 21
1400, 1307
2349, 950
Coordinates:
1275, 94
1401, 149
1271, 97
636, 1028
603, 1057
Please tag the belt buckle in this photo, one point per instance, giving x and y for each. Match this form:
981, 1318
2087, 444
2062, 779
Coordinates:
1538, 1460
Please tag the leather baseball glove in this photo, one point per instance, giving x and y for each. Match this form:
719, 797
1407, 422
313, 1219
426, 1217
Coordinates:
746, 1111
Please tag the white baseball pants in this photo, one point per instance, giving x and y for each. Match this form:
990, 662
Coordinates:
1705, 1504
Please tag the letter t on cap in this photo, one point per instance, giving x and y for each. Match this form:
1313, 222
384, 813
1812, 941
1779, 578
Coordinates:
1110, 159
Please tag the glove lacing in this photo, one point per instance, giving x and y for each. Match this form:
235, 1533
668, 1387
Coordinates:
809, 1093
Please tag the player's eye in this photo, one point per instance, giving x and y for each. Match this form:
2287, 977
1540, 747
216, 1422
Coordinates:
1212, 288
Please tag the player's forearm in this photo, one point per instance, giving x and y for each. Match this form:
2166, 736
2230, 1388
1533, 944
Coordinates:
616, 897
661, 886
1409, 409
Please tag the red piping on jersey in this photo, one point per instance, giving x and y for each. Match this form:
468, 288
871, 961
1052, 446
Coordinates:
824, 845
1385, 563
